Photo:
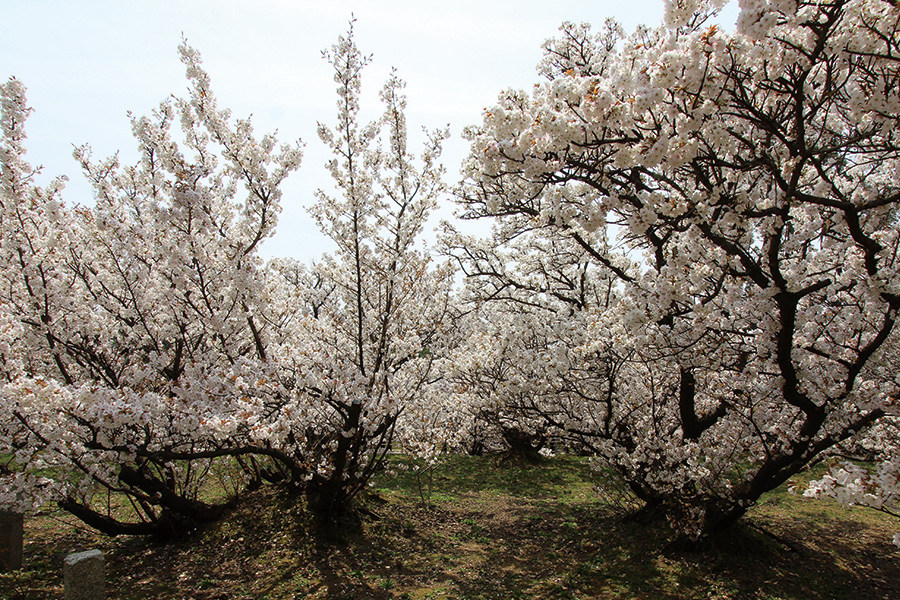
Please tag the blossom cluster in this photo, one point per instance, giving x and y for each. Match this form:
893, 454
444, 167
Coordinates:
146, 346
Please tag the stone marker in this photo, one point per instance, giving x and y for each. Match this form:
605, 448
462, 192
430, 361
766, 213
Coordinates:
84, 577
11, 532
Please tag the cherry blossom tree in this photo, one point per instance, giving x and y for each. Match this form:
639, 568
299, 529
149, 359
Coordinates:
371, 348
530, 292
146, 348
742, 190
134, 354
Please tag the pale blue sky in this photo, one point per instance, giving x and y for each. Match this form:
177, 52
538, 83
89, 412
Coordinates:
87, 63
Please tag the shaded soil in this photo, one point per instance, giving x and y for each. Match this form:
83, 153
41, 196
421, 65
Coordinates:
492, 531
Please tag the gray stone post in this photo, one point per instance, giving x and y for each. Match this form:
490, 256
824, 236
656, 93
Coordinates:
84, 576
12, 527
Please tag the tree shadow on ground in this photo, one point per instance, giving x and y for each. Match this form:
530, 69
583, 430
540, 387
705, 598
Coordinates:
484, 543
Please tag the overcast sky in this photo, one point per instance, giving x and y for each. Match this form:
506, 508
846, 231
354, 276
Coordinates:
87, 63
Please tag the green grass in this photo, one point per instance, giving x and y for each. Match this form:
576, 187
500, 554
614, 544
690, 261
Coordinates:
492, 530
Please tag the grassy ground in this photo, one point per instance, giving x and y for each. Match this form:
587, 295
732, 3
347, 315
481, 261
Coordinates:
493, 531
